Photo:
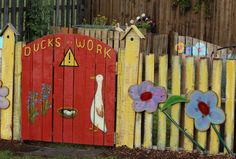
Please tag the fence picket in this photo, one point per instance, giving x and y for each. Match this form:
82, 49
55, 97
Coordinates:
17, 93
216, 87
229, 105
203, 86
161, 127
176, 109
120, 97
138, 116
149, 75
189, 86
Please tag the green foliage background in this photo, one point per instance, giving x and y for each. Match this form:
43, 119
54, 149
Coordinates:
37, 19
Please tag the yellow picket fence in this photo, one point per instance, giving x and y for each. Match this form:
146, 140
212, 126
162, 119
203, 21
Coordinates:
179, 77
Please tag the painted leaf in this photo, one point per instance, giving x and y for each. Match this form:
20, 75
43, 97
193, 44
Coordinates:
173, 100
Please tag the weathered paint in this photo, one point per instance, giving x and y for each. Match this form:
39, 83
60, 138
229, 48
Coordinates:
161, 127
120, 97
175, 110
230, 103
131, 63
189, 86
216, 87
17, 92
203, 86
149, 75
138, 118
8, 61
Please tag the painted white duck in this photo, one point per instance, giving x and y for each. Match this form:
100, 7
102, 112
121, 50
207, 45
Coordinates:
97, 108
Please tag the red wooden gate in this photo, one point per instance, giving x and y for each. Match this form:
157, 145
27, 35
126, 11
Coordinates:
68, 90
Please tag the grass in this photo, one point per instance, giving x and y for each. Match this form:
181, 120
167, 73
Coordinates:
10, 155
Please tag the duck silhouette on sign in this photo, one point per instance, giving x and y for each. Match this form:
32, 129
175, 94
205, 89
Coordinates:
97, 114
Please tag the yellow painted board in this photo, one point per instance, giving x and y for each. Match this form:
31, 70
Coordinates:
116, 40
17, 93
176, 109
119, 108
216, 87
189, 86
148, 117
230, 103
161, 127
131, 63
138, 119
8, 52
203, 86
86, 32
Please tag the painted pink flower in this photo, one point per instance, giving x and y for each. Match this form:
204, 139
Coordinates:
146, 96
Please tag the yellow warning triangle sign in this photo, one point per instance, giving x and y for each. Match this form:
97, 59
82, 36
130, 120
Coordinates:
69, 59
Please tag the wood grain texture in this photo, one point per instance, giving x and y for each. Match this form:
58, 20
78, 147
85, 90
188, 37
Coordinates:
189, 86
216, 87
176, 109
17, 92
161, 127
203, 86
131, 63
229, 105
8, 60
148, 117
138, 116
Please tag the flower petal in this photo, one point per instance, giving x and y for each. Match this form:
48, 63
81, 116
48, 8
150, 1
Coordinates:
192, 111
202, 123
210, 98
139, 106
216, 116
145, 86
151, 106
195, 97
134, 92
159, 94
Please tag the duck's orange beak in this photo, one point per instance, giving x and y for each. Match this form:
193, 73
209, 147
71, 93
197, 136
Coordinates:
92, 77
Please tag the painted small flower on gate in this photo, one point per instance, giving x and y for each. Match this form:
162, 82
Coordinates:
146, 96
179, 47
203, 108
199, 49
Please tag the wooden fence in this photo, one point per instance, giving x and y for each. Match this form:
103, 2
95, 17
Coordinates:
217, 27
63, 13
178, 74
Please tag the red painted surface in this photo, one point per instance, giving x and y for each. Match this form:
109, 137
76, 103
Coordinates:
72, 89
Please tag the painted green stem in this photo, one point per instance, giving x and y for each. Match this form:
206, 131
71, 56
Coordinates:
183, 131
222, 140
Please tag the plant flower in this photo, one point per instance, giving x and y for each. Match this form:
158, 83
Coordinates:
203, 108
146, 96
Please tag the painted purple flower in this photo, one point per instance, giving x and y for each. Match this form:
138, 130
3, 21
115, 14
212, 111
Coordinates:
202, 107
147, 97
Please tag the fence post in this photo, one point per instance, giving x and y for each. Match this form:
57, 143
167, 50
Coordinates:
8, 57
125, 130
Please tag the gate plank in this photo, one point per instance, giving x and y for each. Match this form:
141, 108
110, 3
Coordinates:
47, 80
36, 127
27, 63
90, 92
110, 98
58, 91
100, 70
68, 91
81, 121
